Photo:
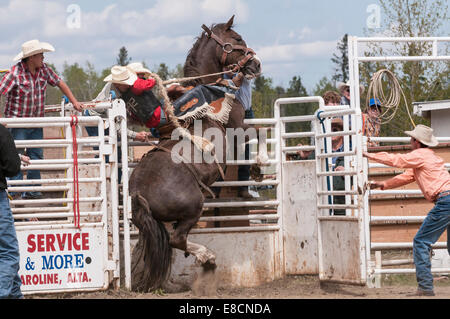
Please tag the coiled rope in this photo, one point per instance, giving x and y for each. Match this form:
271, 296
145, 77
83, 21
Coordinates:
390, 102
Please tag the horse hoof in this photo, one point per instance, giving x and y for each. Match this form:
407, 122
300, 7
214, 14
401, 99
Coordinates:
186, 254
209, 265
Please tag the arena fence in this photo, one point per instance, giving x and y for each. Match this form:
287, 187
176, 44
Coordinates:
69, 239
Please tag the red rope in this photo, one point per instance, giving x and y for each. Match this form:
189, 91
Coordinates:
76, 189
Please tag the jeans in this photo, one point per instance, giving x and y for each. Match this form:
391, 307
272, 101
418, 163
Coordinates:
9, 252
244, 170
33, 153
436, 222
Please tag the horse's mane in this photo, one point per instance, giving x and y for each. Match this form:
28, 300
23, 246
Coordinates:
191, 65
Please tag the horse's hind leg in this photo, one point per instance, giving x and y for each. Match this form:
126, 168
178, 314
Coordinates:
178, 239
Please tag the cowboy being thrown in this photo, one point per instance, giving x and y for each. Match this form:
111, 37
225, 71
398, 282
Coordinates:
143, 106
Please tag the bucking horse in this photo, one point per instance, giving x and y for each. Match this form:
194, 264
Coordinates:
164, 190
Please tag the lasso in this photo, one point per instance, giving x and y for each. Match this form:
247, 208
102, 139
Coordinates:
390, 102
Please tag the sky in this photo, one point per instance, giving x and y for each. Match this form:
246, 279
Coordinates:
291, 37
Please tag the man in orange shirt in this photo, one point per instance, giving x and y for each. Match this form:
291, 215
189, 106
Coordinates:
428, 171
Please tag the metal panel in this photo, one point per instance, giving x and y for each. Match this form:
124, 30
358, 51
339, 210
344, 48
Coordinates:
244, 259
340, 256
300, 218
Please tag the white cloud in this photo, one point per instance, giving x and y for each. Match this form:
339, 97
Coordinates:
156, 30
291, 52
301, 34
162, 44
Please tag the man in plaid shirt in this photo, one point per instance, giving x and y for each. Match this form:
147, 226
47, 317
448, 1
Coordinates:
25, 88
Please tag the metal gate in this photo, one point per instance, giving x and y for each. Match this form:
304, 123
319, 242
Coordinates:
342, 242
68, 240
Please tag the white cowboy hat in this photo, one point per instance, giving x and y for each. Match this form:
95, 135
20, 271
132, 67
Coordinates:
342, 85
121, 75
33, 47
423, 134
137, 67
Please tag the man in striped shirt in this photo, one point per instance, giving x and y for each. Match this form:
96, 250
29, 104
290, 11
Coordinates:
428, 170
25, 89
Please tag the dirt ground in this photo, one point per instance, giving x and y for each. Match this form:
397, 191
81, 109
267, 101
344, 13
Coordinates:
291, 287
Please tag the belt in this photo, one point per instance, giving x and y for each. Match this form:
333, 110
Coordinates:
442, 194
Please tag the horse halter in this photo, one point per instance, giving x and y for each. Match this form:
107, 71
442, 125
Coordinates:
228, 48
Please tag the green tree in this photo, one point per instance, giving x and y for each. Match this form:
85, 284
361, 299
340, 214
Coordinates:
77, 79
85, 83
163, 71
341, 61
177, 72
122, 58
296, 87
53, 95
263, 97
323, 86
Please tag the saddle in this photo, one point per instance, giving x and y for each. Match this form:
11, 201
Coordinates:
203, 100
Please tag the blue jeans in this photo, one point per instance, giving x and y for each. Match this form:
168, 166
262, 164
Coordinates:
436, 222
33, 153
9, 252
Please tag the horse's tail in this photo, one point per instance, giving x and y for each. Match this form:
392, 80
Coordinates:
151, 260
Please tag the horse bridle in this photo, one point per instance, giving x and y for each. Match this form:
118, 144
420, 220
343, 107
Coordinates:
228, 48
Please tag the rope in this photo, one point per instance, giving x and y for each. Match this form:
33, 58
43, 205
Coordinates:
76, 188
200, 142
390, 102
186, 79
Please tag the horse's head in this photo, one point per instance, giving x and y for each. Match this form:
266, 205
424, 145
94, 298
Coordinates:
232, 51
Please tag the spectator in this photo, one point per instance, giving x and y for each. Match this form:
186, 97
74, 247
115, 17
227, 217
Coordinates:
244, 95
344, 89
331, 98
25, 89
9, 248
428, 170
337, 144
371, 121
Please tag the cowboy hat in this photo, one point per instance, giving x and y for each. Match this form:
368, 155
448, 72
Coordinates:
343, 85
137, 67
121, 75
423, 134
33, 47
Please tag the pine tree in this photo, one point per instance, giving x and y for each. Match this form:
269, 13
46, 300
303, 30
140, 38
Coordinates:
341, 61
122, 58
